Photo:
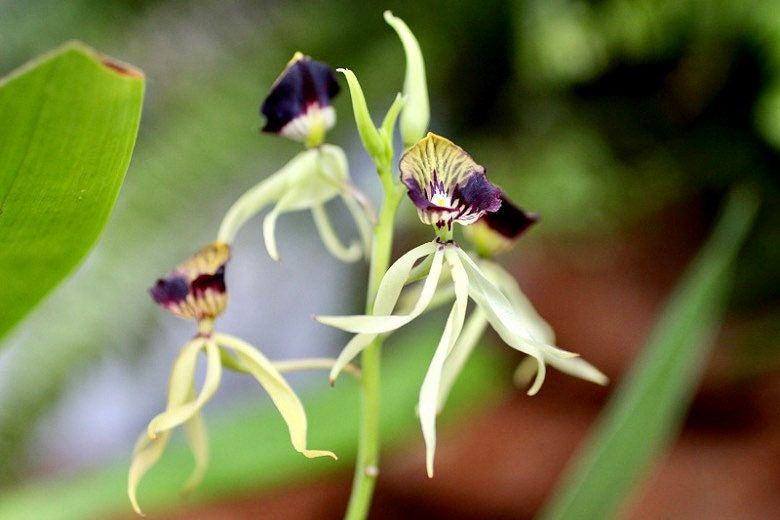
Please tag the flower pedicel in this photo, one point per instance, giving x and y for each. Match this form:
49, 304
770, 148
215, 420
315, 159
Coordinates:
447, 186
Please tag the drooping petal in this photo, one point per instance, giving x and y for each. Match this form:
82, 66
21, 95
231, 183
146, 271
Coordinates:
429, 392
174, 416
445, 183
149, 450
283, 396
396, 276
497, 231
537, 327
196, 288
503, 319
331, 240
266, 192
353, 348
298, 106
576, 367
198, 440
146, 454
380, 323
473, 330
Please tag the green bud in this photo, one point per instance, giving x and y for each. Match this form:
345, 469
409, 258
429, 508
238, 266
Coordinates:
372, 139
416, 114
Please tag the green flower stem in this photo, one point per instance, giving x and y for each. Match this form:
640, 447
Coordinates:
367, 467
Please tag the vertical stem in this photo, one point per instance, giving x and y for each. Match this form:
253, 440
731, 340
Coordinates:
367, 467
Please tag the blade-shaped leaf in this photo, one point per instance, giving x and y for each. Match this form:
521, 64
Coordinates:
649, 406
69, 122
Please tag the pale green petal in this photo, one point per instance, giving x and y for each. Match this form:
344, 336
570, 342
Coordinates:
576, 367
539, 329
355, 346
295, 365
331, 240
179, 414
362, 215
444, 295
333, 163
283, 396
369, 135
500, 315
395, 277
373, 324
198, 439
473, 330
416, 114
428, 405
147, 453
264, 193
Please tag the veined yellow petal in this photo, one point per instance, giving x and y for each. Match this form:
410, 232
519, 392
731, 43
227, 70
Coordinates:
177, 415
429, 392
285, 399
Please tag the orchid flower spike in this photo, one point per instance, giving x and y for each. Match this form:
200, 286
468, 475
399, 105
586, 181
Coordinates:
299, 107
447, 186
196, 290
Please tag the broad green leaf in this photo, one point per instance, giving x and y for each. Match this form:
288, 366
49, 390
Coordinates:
649, 406
69, 122
250, 447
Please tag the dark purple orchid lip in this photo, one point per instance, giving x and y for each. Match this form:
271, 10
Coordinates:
509, 220
305, 86
445, 184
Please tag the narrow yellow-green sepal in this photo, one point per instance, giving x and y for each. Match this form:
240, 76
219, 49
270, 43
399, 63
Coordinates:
146, 454
416, 114
174, 416
285, 399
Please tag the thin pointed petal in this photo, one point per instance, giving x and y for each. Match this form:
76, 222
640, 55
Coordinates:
295, 365
396, 276
264, 193
147, 453
373, 324
179, 414
473, 330
576, 367
362, 217
198, 439
539, 329
428, 405
331, 240
355, 346
285, 399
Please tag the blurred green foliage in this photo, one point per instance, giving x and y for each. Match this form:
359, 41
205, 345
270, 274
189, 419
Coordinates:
594, 114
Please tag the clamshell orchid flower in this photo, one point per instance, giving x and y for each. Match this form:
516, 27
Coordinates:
299, 107
447, 186
196, 290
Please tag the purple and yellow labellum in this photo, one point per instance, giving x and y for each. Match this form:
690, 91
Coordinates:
446, 184
497, 231
196, 288
298, 106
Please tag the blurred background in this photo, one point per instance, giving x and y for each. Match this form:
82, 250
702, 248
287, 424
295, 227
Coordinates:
622, 122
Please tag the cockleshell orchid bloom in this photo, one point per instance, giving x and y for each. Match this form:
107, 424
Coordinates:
299, 107
196, 290
447, 186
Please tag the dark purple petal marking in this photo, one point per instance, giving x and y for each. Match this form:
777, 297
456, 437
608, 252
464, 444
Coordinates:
479, 194
170, 291
509, 220
303, 84
205, 282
